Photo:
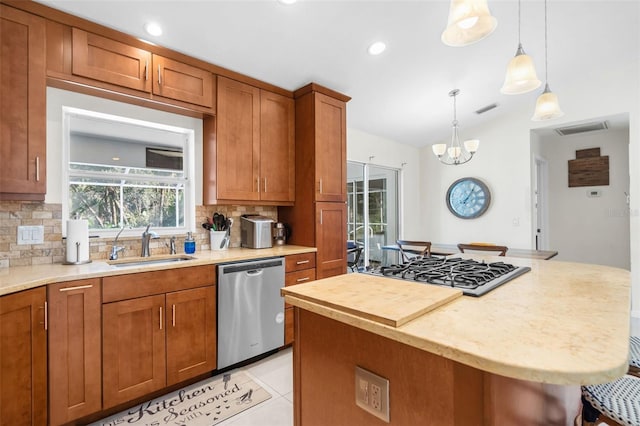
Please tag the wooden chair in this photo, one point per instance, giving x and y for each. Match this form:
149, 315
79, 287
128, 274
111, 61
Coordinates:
483, 247
413, 248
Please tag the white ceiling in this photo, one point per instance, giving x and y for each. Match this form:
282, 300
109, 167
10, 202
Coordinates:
402, 94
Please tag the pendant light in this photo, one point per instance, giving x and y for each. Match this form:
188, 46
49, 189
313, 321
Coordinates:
521, 73
547, 106
469, 21
455, 153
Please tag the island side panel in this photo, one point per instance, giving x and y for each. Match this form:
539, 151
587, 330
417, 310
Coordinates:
423, 388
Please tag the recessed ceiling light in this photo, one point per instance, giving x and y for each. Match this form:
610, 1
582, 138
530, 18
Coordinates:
287, 1
153, 29
377, 48
115, 158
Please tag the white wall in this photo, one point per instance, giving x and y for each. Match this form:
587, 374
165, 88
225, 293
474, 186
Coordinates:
361, 146
57, 98
589, 229
504, 162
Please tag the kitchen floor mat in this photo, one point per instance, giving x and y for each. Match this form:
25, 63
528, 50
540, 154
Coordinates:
205, 403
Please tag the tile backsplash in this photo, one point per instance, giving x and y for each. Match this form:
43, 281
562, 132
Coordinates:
22, 213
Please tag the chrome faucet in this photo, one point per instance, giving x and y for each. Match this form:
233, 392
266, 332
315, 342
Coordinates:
146, 237
114, 248
172, 245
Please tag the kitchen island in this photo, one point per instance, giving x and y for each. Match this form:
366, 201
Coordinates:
494, 360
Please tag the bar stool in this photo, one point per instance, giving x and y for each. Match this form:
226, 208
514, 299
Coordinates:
406, 252
615, 403
483, 247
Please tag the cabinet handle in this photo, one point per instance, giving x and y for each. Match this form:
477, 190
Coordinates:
301, 262
46, 316
320, 217
320, 185
265, 185
160, 317
159, 76
37, 169
173, 315
299, 280
78, 287
258, 183
146, 70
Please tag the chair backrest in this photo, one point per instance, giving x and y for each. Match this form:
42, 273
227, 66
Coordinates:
354, 252
409, 249
483, 247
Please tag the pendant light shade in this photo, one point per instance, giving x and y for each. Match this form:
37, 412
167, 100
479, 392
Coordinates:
521, 73
469, 21
547, 106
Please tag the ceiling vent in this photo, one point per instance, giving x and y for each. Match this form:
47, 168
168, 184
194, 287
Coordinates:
582, 128
486, 108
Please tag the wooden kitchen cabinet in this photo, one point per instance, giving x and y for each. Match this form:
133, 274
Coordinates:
75, 357
159, 328
299, 268
110, 61
23, 106
23, 357
253, 148
191, 333
133, 357
318, 218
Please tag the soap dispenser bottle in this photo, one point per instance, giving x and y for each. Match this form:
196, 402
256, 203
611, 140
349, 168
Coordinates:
189, 244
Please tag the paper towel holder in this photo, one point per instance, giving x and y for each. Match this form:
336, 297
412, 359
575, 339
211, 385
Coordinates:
66, 262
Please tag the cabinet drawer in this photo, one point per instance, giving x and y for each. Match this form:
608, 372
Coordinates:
299, 277
142, 284
297, 262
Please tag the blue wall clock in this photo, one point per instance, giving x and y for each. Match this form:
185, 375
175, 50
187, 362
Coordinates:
468, 198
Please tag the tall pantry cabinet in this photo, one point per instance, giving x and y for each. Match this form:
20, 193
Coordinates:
319, 215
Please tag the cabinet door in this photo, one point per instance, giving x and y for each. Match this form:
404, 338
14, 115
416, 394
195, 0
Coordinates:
277, 147
75, 379
238, 141
133, 349
191, 333
331, 239
23, 358
330, 148
110, 61
23, 105
177, 80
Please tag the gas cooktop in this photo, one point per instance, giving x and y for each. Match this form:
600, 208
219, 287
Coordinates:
473, 277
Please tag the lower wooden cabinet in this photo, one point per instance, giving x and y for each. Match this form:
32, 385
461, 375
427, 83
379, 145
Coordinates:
23, 358
331, 239
299, 269
155, 337
75, 378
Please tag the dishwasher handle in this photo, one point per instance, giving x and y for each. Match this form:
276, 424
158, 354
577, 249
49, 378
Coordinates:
253, 266
255, 272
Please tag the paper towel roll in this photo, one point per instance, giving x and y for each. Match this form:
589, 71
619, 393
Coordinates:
77, 241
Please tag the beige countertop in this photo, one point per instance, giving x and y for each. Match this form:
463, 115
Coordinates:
561, 323
25, 277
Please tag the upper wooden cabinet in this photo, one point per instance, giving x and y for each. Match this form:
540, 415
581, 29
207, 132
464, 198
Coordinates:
75, 358
251, 154
23, 358
114, 62
23, 105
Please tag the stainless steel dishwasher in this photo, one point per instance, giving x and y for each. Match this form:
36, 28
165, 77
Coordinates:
250, 309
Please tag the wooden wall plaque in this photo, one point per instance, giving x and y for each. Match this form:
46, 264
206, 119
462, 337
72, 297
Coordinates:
589, 168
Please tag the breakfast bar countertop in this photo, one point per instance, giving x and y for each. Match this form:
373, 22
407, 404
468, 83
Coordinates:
20, 278
561, 323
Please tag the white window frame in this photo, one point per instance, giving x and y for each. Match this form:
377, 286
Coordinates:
188, 164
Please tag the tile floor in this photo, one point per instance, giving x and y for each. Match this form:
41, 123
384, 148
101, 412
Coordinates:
275, 374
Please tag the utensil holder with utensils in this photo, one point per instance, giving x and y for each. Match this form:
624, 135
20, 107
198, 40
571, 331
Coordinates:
216, 240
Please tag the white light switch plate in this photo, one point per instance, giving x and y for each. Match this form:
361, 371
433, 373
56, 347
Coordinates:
31, 234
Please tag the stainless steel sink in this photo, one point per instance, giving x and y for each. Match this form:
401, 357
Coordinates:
142, 261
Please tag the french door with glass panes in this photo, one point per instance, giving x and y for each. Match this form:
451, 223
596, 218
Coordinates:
372, 210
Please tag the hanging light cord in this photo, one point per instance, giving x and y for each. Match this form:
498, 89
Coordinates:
546, 69
519, 15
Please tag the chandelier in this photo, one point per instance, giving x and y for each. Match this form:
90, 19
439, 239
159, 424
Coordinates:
455, 153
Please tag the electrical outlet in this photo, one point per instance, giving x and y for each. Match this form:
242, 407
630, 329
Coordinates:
372, 393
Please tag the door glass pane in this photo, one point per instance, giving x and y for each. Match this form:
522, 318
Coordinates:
355, 211
383, 212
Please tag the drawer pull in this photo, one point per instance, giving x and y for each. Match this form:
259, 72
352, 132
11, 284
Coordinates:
299, 280
159, 76
301, 262
78, 287
173, 315
160, 317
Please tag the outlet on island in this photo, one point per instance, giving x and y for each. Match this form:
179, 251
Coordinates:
372, 393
